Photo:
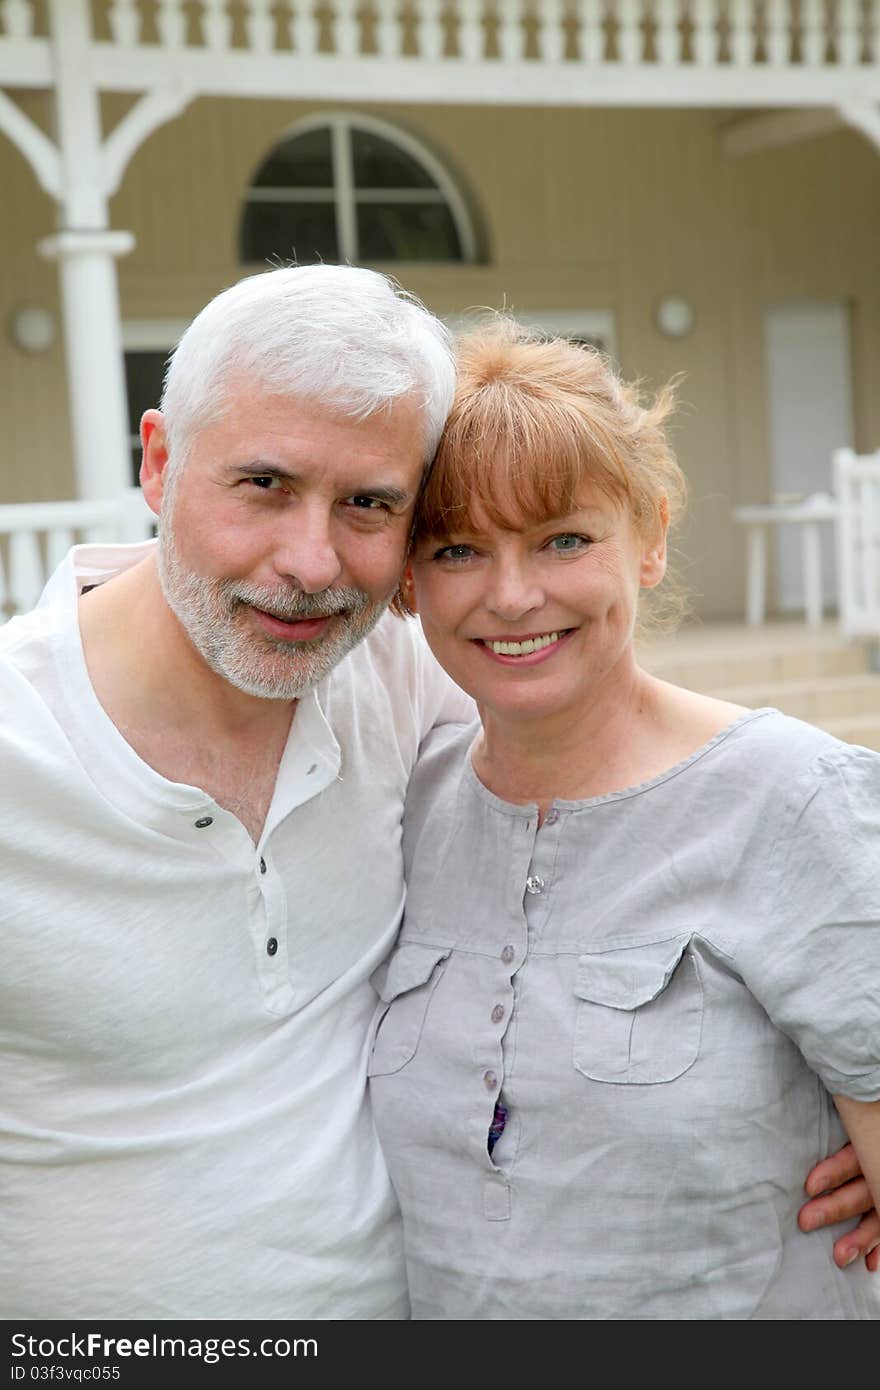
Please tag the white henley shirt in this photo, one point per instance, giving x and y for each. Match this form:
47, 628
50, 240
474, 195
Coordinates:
184, 1015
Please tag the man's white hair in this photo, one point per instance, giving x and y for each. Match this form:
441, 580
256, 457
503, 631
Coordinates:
340, 336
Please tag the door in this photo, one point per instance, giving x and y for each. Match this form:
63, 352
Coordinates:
810, 398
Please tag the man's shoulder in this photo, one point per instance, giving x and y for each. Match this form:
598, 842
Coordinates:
393, 639
27, 646
392, 679
34, 749
393, 657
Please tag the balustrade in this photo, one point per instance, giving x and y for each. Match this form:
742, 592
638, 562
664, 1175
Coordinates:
35, 537
595, 33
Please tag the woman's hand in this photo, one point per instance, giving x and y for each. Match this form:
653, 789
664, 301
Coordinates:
839, 1192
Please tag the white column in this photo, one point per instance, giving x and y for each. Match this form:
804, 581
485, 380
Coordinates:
86, 251
756, 573
93, 342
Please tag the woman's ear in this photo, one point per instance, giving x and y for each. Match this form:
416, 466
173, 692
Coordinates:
404, 600
408, 588
654, 555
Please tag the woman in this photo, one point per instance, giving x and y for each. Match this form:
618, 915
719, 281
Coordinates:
612, 1026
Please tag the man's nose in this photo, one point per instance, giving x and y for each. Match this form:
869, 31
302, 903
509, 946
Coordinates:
308, 552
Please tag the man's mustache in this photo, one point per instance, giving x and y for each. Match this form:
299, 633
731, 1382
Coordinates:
292, 604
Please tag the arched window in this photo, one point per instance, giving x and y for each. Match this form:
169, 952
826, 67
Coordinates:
350, 188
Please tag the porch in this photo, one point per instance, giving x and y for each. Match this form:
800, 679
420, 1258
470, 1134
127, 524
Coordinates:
784, 70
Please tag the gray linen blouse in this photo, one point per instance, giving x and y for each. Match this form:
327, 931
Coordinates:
663, 984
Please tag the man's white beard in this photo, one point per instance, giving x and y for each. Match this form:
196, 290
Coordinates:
213, 614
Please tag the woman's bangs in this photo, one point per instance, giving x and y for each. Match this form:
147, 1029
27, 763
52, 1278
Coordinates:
513, 479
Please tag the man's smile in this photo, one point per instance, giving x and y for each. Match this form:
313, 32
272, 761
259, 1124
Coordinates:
292, 629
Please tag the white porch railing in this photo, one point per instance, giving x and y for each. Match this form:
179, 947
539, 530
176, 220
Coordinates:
477, 50
857, 484
35, 537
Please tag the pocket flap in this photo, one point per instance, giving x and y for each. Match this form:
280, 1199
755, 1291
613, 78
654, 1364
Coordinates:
629, 976
409, 966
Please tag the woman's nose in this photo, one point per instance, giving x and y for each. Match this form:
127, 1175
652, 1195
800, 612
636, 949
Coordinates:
515, 591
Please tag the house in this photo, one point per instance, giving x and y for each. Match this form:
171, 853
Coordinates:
694, 184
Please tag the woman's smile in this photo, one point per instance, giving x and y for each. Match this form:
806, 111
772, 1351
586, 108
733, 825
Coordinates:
528, 650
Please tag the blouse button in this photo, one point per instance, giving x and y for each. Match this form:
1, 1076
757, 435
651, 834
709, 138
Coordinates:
534, 884
497, 1013
490, 1080
508, 954
271, 946
203, 822
262, 866
551, 818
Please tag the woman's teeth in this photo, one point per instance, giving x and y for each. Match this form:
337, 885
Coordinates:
531, 644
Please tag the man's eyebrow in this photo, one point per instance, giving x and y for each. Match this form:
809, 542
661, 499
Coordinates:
257, 469
383, 492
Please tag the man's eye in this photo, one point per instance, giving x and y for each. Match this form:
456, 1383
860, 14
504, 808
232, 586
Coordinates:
267, 482
568, 544
364, 503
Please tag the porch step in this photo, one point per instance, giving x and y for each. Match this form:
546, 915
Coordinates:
738, 662
811, 675
817, 701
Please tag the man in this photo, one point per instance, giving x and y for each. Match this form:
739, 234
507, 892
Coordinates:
201, 831
205, 746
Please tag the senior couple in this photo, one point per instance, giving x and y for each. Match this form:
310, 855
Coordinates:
642, 925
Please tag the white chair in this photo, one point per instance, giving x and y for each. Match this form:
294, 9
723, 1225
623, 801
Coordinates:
857, 485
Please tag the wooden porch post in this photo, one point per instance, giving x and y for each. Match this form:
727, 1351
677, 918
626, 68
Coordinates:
86, 249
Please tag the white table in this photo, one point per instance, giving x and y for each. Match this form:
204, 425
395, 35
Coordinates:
808, 515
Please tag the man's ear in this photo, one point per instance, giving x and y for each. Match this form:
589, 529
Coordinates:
654, 556
155, 458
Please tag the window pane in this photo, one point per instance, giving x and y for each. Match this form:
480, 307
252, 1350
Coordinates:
379, 164
407, 232
290, 231
144, 372
306, 161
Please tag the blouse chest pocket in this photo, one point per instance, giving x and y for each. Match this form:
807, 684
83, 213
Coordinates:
404, 984
639, 1012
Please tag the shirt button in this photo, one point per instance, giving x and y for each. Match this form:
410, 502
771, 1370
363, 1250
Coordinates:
262, 866
203, 822
490, 1080
551, 818
534, 884
271, 946
497, 1013
508, 954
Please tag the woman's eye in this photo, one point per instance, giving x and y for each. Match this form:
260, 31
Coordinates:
454, 553
568, 544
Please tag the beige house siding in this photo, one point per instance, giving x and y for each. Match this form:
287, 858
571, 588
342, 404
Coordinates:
592, 209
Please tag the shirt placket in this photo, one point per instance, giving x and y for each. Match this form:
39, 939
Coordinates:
210, 826
538, 887
501, 1006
